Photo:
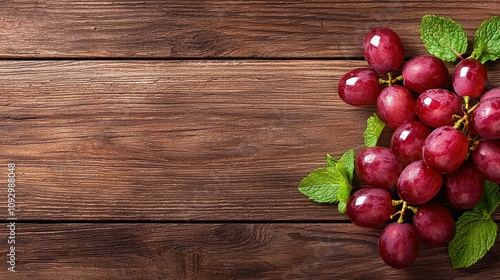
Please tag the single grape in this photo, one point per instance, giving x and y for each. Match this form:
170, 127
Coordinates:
445, 149
491, 93
383, 50
486, 118
396, 106
434, 224
418, 183
398, 245
486, 157
359, 87
377, 166
408, 140
464, 186
469, 78
436, 107
424, 72
370, 207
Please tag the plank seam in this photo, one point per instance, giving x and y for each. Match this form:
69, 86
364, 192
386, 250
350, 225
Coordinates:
179, 58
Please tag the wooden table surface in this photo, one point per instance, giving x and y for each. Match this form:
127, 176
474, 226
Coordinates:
166, 139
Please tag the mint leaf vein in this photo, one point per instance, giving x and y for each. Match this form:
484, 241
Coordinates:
487, 40
443, 37
374, 127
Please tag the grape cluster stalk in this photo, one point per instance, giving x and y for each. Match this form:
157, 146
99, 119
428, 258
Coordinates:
443, 138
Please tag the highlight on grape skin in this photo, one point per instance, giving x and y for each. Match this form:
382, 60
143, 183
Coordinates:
359, 87
424, 72
379, 167
370, 207
383, 50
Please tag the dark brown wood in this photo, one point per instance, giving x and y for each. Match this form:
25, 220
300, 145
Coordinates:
178, 140
193, 28
219, 251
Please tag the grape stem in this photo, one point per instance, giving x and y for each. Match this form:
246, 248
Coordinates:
474, 143
414, 209
457, 54
467, 100
401, 212
396, 202
390, 79
472, 109
465, 120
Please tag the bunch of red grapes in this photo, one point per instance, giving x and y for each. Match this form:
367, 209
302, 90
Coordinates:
441, 138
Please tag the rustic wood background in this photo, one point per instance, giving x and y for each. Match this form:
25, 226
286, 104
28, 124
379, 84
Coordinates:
166, 139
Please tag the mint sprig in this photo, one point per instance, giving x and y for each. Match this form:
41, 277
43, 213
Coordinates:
374, 127
476, 231
443, 37
331, 184
487, 40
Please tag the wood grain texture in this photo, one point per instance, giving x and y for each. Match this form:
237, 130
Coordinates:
52, 28
174, 140
219, 251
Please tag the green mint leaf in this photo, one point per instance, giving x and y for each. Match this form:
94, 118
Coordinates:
373, 129
487, 40
475, 235
332, 183
330, 162
322, 185
347, 162
491, 197
343, 193
443, 37
342, 206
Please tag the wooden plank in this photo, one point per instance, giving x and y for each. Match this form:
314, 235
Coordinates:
173, 140
159, 29
218, 251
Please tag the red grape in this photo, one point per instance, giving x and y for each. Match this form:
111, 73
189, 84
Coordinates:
464, 186
445, 149
469, 78
383, 50
377, 166
359, 87
396, 106
434, 224
486, 157
370, 207
398, 245
424, 72
486, 118
408, 140
436, 107
491, 93
418, 183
